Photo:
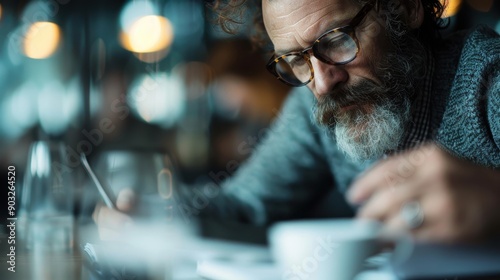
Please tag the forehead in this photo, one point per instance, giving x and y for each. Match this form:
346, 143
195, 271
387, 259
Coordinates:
295, 24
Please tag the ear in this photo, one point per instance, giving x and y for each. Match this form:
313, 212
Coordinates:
415, 14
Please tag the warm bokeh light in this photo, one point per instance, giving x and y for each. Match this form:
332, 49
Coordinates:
0, 12
42, 40
148, 34
452, 7
481, 5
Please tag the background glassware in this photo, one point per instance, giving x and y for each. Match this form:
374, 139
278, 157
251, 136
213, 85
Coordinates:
47, 197
46, 214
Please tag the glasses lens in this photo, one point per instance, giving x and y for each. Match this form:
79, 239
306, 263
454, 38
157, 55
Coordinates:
294, 69
337, 47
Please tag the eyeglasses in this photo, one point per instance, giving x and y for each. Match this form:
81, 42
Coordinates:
337, 46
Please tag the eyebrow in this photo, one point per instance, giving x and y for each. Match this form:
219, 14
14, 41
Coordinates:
333, 25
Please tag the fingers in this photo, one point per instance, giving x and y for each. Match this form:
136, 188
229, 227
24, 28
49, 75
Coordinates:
110, 218
389, 173
386, 188
453, 197
377, 208
114, 219
126, 200
387, 203
389, 213
110, 222
379, 177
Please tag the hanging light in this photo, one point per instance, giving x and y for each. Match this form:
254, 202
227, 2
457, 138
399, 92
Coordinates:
41, 40
144, 32
148, 34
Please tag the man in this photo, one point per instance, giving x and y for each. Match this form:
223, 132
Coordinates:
406, 124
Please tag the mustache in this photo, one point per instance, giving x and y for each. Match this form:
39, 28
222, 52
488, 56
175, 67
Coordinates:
328, 107
365, 91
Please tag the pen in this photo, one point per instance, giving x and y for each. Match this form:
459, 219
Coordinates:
104, 192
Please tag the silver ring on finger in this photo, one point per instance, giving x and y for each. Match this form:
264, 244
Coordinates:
412, 214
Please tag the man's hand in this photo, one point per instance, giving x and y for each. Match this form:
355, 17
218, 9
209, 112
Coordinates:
460, 201
111, 223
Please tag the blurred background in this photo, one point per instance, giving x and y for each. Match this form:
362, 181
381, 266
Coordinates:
142, 75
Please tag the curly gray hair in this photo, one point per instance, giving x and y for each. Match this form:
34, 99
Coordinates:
231, 12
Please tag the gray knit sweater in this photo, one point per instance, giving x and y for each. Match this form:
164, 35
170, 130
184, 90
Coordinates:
298, 164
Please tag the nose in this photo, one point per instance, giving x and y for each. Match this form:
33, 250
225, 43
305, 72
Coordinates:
326, 77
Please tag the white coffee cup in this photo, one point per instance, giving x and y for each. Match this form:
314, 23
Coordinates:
323, 249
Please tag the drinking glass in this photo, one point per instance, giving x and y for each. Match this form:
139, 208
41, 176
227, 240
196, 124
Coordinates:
47, 198
46, 214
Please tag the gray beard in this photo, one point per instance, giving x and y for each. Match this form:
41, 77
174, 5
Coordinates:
368, 136
376, 124
369, 130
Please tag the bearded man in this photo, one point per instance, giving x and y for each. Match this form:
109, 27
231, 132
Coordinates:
404, 122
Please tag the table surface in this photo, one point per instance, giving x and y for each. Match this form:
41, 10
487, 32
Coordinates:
69, 265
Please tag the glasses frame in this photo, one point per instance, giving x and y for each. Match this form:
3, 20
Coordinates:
348, 29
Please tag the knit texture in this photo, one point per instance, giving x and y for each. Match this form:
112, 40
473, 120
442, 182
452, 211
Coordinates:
470, 126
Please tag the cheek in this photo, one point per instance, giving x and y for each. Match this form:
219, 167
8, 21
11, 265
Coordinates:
310, 86
367, 61
361, 68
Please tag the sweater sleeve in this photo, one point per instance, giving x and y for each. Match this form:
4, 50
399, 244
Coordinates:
492, 87
285, 172
471, 123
